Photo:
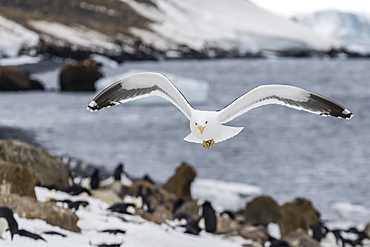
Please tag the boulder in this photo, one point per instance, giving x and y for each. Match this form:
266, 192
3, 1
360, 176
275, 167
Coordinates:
106, 195
299, 213
13, 79
17, 179
367, 230
262, 210
226, 225
29, 208
152, 196
159, 216
80, 76
36, 160
180, 182
256, 234
299, 238
189, 207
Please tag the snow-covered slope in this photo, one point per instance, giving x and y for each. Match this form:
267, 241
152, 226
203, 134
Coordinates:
352, 28
227, 24
14, 38
165, 27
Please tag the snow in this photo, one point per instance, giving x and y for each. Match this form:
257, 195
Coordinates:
195, 91
14, 37
352, 212
224, 195
14, 61
139, 233
225, 23
78, 35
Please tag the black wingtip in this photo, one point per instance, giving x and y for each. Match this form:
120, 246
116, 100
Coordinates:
329, 107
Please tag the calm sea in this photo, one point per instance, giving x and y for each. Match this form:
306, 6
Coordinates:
288, 153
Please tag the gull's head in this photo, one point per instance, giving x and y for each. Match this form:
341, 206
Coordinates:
203, 124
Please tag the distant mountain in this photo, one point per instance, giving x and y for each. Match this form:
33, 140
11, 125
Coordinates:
145, 29
352, 28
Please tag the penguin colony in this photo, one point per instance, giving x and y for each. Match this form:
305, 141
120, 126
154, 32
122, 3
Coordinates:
206, 220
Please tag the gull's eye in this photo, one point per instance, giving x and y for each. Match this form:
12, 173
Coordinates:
196, 123
206, 122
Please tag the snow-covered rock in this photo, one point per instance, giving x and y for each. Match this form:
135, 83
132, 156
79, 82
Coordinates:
161, 28
226, 24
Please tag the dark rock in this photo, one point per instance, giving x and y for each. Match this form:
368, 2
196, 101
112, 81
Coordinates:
299, 238
367, 230
13, 79
80, 77
262, 210
36, 160
29, 208
180, 182
189, 207
17, 179
299, 213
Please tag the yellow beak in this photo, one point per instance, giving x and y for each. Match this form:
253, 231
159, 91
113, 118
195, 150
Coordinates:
201, 129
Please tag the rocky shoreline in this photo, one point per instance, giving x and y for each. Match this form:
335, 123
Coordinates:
25, 169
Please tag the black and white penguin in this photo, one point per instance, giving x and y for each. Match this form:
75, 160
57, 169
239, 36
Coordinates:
181, 218
95, 179
73, 205
123, 208
117, 174
318, 231
208, 218
7, 221
75, 190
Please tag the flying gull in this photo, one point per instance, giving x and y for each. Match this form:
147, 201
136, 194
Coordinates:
207, 126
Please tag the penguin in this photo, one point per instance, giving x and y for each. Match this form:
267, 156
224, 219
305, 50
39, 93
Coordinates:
95, 179
141, 199
75, 190
192, 227
114, 231
7, 221
208, 216
277, 243
181, 218
359, 236
318, 231
123, 208
147, 178
73, 205
117, 175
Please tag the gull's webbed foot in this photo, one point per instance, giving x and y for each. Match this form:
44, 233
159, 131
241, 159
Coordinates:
209, 143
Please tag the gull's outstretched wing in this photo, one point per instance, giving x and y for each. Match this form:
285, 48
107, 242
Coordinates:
283, 95
138, 86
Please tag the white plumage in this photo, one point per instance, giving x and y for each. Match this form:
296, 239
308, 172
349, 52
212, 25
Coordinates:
207, 126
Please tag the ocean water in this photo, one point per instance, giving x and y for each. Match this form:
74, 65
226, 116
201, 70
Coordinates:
287, 153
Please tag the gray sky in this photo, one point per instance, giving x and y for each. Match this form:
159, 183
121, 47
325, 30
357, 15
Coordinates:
289, 7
